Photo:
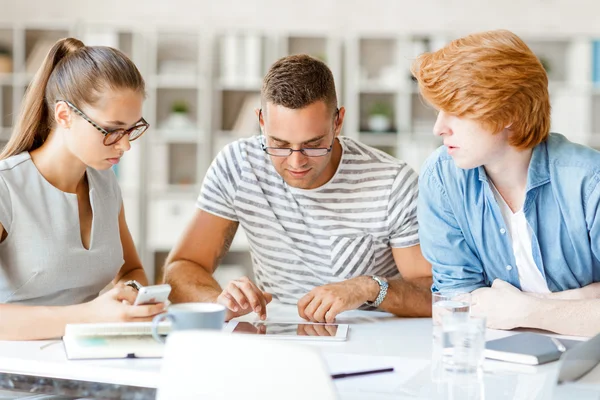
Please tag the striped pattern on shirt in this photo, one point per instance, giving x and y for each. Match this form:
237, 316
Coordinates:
300, 239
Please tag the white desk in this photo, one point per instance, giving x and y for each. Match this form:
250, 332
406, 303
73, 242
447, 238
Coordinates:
371, 333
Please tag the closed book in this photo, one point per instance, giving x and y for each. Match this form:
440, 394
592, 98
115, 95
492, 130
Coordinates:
527, 348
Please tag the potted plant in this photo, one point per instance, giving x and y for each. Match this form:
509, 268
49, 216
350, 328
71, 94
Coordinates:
179, 117
380, 117
5, 60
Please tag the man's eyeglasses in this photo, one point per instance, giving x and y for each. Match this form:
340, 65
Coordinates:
308, 151
112, 137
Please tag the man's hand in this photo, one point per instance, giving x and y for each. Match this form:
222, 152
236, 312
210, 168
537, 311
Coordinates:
324, 303
503, 305
241, 297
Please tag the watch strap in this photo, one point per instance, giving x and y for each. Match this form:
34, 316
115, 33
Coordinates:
383, 288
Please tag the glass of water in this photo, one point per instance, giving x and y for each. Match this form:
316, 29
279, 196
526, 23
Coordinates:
448, 303
463, 342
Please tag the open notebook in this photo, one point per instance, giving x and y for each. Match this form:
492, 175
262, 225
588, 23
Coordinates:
113, 340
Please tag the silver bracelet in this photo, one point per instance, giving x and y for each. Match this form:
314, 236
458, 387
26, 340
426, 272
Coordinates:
383, 288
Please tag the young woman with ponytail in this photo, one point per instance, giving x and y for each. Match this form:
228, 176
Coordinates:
62, 223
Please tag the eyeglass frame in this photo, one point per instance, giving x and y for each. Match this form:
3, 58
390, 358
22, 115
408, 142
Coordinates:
301, 150
107, 133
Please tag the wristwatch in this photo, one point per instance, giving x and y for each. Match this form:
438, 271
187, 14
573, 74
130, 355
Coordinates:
383, 288
134, 284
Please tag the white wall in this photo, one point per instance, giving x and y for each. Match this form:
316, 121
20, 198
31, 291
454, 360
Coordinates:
523, 16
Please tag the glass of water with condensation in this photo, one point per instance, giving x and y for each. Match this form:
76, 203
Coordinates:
445, 304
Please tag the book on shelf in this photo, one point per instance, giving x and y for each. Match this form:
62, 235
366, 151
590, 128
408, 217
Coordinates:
241, 59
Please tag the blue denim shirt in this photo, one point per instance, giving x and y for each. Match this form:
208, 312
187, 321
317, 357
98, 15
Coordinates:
464, 237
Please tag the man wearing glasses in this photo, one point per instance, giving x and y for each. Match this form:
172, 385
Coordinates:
331, 222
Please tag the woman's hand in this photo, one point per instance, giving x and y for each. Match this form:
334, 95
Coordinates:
116, 306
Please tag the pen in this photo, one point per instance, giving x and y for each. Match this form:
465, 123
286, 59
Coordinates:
561, 347
49, 344
360, 373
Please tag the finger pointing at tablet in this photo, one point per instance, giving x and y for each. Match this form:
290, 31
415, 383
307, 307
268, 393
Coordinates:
241, 296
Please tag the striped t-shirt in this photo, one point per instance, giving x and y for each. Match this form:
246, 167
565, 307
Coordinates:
300, 239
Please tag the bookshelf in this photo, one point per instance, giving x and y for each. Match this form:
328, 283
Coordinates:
213, 77
569, 63
384, 109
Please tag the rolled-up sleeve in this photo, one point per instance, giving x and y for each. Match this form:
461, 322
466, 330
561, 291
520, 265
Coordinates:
592, 209
456, 268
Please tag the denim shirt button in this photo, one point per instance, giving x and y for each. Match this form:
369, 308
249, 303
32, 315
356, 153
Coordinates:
508, 267
502, 231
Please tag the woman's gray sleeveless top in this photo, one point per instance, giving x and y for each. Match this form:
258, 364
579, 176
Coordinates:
42, 260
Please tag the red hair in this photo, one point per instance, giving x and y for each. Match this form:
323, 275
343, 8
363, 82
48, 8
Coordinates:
491, 77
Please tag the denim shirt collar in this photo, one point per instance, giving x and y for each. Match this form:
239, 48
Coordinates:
538, 172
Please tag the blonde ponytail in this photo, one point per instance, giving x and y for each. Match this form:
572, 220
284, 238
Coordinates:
34, 122
74, 72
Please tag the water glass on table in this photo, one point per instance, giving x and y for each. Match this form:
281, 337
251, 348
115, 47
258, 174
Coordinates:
443, 304
463, 343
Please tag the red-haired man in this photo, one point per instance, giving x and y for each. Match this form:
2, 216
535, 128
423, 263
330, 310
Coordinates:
507, 210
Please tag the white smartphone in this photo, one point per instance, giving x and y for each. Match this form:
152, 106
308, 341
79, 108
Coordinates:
290, 330
152, 294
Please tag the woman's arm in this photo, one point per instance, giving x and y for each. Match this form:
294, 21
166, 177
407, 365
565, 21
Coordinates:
45, 322
21, 322
37, 322
132, 268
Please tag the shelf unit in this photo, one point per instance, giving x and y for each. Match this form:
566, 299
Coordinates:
568, 63
384, 109
217, 75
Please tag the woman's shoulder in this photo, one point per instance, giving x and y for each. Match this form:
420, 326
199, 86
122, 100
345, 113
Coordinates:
13, 162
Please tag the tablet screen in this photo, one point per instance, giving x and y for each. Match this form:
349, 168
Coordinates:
285, 329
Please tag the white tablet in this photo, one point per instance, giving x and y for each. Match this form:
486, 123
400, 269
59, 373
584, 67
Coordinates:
290, 330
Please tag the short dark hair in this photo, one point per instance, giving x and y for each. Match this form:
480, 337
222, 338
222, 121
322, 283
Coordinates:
297, 81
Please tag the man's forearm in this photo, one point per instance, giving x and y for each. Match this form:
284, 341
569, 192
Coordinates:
591, 291
409, 298
566, 317
190, 283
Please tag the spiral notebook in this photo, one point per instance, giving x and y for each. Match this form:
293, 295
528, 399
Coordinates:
113, 340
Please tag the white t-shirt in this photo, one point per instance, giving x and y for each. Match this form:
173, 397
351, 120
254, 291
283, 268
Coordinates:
520, 232
300, 239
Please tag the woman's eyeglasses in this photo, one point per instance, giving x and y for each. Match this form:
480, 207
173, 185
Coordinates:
112, 137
